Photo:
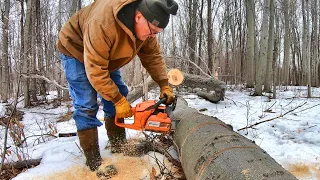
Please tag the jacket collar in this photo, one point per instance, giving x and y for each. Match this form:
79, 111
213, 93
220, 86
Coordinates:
116, 10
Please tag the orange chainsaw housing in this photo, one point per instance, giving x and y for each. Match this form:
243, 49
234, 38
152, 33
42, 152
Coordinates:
147, 119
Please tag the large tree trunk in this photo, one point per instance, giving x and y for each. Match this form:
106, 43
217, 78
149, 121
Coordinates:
269, 71
210, 149
26, 55
41, 68
261, 65
4, 66
250, 42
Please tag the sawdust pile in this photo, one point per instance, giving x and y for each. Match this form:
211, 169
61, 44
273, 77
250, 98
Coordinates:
128, 168
304, 170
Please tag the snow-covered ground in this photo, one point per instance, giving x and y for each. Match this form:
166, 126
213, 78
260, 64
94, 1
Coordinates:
292, 140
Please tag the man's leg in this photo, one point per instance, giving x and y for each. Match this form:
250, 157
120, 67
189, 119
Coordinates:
116, 135
85, 103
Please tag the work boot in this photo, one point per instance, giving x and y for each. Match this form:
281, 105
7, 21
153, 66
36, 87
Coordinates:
90, 145
116, 134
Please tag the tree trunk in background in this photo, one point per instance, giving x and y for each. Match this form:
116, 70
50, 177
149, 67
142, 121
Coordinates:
308, 49
304, 63
295, 46
210, 38
27, 55
199, 59
79, 5
192, 35
173, 51
275, 56
250, 42
41, 68
234, 50
33, 60
286, 61
4, 57
315, 44
227, 25
261, 65
59, 74
74, 7
269, 71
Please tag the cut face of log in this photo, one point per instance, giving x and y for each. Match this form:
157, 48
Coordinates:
210, 149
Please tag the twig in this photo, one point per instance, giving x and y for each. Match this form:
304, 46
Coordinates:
280, 116
158, 147
36, 135
7, 127
308, 108
268, 110
310, 127
79, 148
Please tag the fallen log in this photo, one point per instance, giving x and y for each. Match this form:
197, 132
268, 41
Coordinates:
210, 149
22, 164
209, 96
192, 81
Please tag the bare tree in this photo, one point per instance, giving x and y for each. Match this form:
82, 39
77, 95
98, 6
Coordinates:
27, 55
261, 65
250, 10
4, 58
286, 60
269, 70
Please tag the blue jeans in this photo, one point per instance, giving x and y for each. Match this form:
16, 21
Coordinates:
84, 96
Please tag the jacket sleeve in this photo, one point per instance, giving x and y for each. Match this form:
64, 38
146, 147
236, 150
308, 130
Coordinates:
151, 59
97, 45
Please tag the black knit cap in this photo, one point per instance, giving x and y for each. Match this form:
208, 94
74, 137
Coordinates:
157, 12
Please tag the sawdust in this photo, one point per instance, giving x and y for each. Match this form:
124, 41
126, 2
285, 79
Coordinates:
128, 168
304, 170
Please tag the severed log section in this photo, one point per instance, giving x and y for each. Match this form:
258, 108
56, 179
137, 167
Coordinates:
210, 149
209, 96
192, 81
211, 84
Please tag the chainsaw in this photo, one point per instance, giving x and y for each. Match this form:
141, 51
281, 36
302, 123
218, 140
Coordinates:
151, 116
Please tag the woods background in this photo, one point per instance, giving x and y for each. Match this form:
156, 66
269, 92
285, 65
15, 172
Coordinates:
258, 43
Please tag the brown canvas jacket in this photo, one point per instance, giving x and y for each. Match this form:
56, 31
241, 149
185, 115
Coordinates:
95, 36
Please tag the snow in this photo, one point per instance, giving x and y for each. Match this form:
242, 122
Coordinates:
292, 140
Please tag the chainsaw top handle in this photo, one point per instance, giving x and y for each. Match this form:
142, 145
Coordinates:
161, 101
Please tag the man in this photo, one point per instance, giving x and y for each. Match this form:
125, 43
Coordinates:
97, 41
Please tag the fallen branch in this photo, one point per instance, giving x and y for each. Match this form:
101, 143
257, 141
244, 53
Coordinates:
308, 108
159, 148
67, 134
36, 76
280, 116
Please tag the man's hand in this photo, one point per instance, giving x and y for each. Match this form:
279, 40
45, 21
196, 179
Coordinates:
166, 91
123, 108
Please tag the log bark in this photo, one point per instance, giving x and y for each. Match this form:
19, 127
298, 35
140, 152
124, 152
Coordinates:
192, 81
210, 149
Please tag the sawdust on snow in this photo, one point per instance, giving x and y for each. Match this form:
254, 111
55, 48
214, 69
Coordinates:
128, 168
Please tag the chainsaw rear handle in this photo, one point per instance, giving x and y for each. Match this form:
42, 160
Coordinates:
122, 124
